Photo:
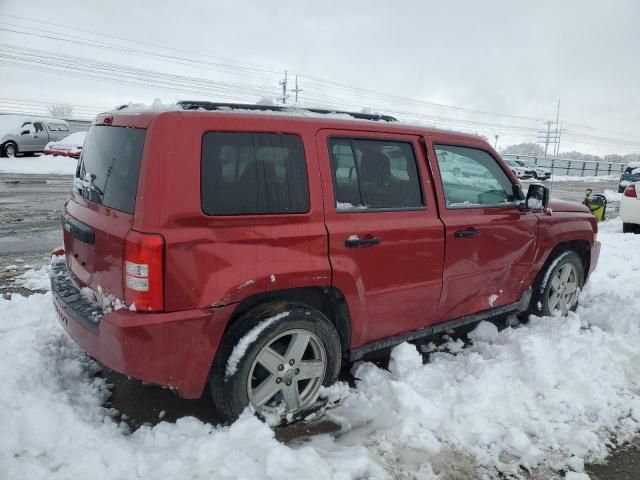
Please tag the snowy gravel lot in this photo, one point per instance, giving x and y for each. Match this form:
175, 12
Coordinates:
41, 164
532, 401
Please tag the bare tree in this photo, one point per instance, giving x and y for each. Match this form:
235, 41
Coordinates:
61, 110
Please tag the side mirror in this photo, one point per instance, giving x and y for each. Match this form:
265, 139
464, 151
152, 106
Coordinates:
537, 197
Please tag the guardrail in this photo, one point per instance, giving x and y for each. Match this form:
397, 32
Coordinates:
578, 168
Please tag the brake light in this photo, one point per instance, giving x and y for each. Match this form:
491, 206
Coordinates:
144, 271
630, 191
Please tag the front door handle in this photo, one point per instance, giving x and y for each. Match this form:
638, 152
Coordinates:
355, 241
468, 233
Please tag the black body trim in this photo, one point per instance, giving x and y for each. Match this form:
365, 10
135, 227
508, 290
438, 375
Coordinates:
70, 298
520, 306
194, 105
77, 229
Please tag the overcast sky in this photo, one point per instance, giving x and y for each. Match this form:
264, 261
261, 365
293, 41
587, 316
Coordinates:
508, 57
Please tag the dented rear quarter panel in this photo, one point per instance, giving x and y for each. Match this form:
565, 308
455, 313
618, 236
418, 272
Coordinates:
218, 260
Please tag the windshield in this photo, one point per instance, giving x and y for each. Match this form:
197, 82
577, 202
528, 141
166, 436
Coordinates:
109, 166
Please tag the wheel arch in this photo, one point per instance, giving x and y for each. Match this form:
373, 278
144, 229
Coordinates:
328, 300
581, 247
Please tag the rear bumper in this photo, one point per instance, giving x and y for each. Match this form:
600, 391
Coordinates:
630, 209
173, 349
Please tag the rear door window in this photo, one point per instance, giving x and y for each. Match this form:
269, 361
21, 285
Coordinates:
110, 165
253, 173
374, 174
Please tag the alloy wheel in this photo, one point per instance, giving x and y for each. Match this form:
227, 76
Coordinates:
287, 373
563, 290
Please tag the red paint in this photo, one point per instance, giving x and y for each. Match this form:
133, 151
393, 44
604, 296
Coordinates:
420, 274
62, 152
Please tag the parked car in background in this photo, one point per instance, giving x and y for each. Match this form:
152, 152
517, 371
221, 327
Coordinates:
252, 254
631, 174
27, 135
539, 173
630, 208
70, 146
521, 172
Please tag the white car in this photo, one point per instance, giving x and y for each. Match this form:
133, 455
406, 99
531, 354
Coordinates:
521, 172
539, 173
630, 208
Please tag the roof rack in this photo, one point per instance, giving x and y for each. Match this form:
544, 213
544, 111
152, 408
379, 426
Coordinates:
194, 105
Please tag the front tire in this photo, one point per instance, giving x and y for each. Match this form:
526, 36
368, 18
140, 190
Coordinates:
558, 286
276, 357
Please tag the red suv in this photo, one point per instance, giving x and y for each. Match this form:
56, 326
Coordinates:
252, 253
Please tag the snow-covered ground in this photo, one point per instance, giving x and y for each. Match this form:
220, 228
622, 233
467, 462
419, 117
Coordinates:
589, 178
42, 164
547, 396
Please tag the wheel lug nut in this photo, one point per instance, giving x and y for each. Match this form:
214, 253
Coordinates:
288, 383
292, 361
278, 380
280, 367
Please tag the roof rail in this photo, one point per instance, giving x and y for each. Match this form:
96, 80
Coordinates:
194, 105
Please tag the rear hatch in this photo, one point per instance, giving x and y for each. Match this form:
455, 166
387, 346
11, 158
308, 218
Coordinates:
99, 214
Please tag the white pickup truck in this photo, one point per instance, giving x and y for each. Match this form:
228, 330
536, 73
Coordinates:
29, 134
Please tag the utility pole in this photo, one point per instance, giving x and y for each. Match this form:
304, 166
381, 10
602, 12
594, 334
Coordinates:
495, 145
284, 89
547, 138
558, 144
296, 90
555, 153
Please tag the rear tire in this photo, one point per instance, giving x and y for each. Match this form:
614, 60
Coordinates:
630, 228
278, 369
558, 285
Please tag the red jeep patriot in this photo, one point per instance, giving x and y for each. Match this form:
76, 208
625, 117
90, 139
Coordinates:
252, 252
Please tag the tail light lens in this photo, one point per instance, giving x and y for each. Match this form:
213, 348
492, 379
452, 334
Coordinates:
630, 191
144, 271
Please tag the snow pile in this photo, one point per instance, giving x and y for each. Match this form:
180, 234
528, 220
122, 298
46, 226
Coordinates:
547, 396
612, 196
42, 164
37, 280
106, 301
588, 178
54, 426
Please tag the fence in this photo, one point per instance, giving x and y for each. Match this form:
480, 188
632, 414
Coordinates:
577, 168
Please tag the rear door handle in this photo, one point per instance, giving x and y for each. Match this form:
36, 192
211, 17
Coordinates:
355, 241
468, 233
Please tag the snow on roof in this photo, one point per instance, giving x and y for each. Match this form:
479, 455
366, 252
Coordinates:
9, 123
293, 111
76, 138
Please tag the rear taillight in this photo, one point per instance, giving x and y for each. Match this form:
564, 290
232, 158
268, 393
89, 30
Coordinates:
144, 271
630, 191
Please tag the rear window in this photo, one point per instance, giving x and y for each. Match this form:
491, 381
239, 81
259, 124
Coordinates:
109, 166
58, 127
253, 173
